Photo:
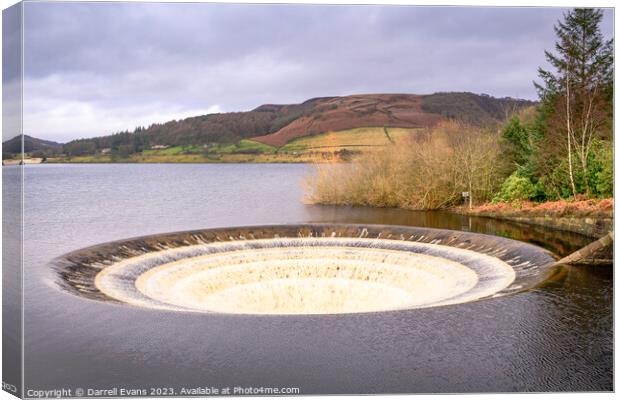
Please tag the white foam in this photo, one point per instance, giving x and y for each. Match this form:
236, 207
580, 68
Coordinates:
305, 276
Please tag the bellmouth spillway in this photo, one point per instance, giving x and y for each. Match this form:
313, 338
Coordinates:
303, 269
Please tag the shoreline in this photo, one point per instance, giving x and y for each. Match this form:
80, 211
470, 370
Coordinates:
127, 162
22, 161
200, 160
593, 218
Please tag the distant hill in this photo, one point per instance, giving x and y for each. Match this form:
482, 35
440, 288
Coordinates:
31, 145
341, 113
278, 124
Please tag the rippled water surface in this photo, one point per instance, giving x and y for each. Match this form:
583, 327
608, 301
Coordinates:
556, 337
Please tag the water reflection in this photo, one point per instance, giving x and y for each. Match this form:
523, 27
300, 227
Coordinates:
559, 242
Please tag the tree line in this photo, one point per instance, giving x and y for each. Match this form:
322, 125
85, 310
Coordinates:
205, 129
565, 150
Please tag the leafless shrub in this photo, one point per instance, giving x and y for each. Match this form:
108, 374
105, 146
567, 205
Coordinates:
428, 172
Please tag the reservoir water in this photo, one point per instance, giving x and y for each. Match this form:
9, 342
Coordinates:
556, 337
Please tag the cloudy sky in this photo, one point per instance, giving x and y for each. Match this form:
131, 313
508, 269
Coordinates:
97, 68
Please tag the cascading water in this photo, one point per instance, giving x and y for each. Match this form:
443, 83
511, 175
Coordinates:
304, 269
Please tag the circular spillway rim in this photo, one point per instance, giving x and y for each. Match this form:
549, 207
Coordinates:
76, 271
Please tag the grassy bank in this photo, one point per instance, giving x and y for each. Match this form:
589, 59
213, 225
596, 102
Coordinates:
594, 208
200, 158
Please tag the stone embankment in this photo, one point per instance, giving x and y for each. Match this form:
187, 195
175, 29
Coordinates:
592, 218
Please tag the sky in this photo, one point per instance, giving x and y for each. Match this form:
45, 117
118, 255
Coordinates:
93, 69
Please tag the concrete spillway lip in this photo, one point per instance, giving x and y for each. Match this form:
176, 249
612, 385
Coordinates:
303, 269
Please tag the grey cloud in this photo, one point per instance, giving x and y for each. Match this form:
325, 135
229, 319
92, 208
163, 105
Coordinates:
11, 72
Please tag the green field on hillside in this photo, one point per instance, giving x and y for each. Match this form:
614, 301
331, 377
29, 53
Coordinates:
242, 147
358, 139
174, 150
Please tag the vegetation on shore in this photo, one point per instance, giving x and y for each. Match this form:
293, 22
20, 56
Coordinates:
201, 158
429, 171
560, 149
594, 208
